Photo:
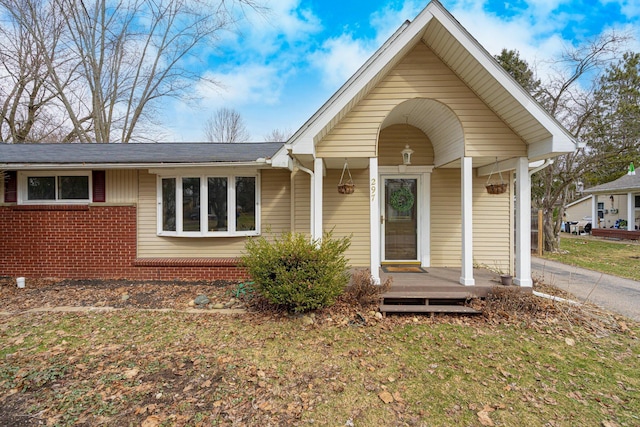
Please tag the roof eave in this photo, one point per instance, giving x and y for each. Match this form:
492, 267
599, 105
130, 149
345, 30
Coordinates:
89, 166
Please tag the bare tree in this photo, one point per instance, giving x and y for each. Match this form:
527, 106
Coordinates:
278, 135
111, 62
29, 108
226, 125
567, 99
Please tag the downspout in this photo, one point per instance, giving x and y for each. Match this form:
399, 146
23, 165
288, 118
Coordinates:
312, 203
298, 166
547, 163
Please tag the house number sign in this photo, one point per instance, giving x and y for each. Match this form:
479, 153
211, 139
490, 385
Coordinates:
373, 189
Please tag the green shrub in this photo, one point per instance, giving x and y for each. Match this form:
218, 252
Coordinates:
298, 273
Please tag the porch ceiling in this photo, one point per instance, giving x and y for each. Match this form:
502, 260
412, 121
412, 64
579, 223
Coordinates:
437, 121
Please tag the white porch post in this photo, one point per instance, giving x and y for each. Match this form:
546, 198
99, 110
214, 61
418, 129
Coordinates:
523, 224
631, 212
374, 218
466, 180
318, 173
595, 220
425, 233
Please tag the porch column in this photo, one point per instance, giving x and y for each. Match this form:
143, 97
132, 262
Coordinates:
374, 219
318, 173
523, 223
466, 180
595, 219
631, 212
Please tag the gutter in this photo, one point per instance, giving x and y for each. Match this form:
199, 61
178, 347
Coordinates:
547, 163
67, 166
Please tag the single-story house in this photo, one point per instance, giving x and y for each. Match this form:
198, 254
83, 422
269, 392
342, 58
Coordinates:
419, 129
611, 210
621, 199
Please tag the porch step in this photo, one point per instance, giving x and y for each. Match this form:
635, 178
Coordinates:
427, 308
447, 294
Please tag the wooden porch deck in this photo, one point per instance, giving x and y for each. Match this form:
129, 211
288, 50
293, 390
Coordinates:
438, 290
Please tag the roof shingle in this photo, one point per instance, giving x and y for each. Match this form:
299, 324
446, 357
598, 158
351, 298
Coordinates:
174, 153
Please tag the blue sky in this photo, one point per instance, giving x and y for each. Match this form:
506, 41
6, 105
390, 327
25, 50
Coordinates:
277, 69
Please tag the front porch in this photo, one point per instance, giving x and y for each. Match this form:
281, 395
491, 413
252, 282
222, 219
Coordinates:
437, 290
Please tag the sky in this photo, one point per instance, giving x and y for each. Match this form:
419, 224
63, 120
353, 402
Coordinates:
278, 67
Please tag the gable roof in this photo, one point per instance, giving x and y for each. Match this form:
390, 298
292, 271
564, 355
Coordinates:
577, 202
14, 156
440, 31
624, 184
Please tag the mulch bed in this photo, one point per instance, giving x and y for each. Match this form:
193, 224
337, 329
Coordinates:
112, 293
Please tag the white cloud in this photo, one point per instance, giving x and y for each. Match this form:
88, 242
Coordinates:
389, 19
339, 58
247, 84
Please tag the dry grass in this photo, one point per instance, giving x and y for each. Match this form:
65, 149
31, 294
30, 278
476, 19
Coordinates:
526, 360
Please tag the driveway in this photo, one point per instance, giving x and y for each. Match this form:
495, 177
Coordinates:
610, 292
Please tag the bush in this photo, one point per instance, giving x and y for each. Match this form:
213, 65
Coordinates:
298, 273
364, 290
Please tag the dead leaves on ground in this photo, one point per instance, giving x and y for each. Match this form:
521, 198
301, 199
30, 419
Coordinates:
122, 375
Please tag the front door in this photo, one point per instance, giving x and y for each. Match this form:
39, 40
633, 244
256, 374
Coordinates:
399, 219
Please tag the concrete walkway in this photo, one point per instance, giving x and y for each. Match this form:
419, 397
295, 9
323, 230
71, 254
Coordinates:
609, 292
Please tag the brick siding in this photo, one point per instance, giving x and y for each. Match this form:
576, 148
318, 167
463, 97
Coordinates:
91, 242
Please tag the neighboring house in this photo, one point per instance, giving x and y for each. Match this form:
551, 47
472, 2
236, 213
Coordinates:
610, 210
626, 192
165, 211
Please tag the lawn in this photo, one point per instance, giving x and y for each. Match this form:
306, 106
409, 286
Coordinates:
611, 257
537, 363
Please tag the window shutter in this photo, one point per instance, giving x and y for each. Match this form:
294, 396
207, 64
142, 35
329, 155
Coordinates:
99, 186
11, 187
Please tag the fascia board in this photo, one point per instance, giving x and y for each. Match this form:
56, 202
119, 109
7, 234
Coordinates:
577, 202
500, 74
624, 190
89, 166
550, 147
303, 141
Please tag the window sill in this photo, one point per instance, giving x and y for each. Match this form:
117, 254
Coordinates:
50, 207
208, 235
186, 262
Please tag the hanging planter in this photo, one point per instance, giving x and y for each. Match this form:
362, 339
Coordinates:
496, 188
402, 199
346, 187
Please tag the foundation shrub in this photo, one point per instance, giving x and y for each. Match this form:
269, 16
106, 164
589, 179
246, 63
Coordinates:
363, 289
297, 273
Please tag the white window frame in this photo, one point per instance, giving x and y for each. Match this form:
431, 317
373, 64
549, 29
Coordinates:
204, 203
23, 187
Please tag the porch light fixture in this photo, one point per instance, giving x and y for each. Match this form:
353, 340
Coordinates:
406, 155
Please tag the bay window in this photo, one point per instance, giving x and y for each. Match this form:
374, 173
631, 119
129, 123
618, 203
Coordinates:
204, 205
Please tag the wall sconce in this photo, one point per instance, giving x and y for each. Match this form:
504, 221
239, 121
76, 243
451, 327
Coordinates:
406, 155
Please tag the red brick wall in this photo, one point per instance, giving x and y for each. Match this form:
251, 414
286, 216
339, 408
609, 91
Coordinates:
90, 242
